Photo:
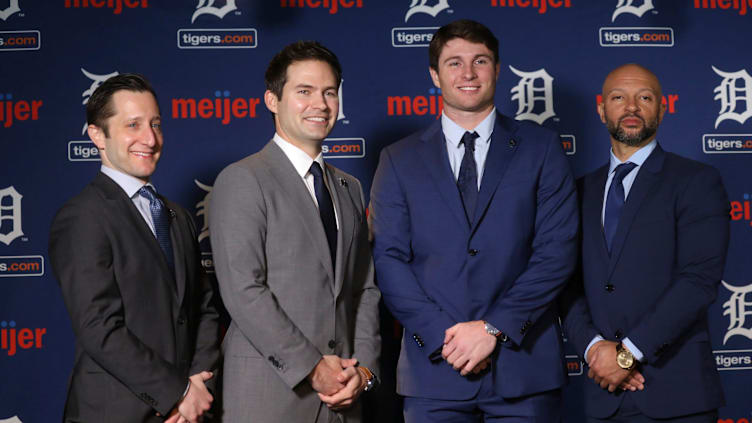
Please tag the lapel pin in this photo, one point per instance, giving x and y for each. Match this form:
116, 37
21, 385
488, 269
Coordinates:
342, 182
172, 213
512, 143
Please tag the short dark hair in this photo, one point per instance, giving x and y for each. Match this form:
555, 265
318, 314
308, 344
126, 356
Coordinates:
99, 108
468, 30
276, 74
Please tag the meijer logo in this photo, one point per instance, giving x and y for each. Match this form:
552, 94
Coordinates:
332, 5
741, 5
420, 105
222, 107
541, 5
18, 111
115, 5
740, 210
13, 339
10, 215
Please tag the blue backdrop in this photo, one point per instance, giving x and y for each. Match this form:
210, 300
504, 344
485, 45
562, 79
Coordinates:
207, 58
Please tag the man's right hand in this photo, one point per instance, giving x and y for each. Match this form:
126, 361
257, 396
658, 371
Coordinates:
323, 377
196, 402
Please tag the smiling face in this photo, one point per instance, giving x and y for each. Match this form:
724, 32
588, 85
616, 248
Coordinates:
631, 107
466, 74
132, 143
308, 107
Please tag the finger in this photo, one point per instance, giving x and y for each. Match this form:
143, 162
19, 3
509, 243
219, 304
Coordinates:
348, 362
468, 367
603, 384
206, 375
638, 376
590, 373
448, 349
346, 374
449, 334
611, 388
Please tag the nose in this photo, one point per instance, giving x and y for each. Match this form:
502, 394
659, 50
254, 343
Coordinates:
468, 71
150, 136
319, 102
632, 105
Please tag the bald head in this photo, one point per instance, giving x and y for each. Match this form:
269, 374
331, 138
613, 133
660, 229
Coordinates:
631, 73
632, 105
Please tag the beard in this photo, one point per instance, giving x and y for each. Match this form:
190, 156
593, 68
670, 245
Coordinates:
619, 134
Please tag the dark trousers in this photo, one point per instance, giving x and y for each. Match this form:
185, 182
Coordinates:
487, 406
629, 413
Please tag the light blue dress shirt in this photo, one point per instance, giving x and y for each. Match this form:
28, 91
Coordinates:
453, 135
131, 185
638, 158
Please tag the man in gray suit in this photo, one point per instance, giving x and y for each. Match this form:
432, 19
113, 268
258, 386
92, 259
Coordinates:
291, 253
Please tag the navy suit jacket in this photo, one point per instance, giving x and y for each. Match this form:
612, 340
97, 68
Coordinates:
666, 263
435, 270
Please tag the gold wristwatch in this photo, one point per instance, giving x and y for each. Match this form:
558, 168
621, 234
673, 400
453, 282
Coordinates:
624, 357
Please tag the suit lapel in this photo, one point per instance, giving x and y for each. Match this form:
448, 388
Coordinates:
592, 208
433, 151
121, 204
645, 183
179, 236
346, 218
500, 153
284, 173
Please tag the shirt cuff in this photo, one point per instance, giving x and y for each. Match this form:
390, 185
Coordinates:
596, 338
187, 387
634, 350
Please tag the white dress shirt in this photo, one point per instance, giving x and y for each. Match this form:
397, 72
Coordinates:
131, 185
302, 162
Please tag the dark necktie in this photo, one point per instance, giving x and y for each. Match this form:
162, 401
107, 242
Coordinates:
326, 210
615, 202
467, 180
160, 216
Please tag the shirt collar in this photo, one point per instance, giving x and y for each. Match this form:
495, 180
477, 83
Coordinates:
453, 132
638, 157
301, 161
129, 184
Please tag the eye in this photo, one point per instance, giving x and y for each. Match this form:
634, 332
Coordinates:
481, 61
332, 94
157, 126
453, 63
132, 125
646, 98
304, 91
616, 97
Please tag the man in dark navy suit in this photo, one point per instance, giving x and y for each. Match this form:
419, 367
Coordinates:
475, 235
655, 230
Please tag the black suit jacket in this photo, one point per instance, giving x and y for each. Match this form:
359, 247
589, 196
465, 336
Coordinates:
140, 332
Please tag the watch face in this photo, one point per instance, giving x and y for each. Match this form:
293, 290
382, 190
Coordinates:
624, 359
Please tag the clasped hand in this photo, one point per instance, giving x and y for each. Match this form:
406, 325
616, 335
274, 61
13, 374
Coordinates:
605, 372
468, 347
337, 381
196, 402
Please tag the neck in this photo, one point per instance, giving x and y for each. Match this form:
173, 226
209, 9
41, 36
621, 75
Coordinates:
468, 120
623, 151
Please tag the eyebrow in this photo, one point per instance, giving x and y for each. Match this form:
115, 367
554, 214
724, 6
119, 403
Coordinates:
474, 57
331, 87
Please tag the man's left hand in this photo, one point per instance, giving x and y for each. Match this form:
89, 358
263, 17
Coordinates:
466, 345
603, 368
354, 386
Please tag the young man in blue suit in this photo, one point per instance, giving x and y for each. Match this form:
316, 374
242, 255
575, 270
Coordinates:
655, 229
475, 235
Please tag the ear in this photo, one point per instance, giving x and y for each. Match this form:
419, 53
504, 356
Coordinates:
602, 111
662, 112
97, 135
271, 100
434, 76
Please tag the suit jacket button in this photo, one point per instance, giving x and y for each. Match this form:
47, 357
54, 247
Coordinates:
271, 359
618, 334
609, 287
472, 252
181, 320
332, 344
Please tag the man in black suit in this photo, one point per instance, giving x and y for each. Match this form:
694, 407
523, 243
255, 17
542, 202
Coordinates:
127, 261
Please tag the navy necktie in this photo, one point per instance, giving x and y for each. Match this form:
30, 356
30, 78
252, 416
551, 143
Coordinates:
467, 180
326, 210
160, 216
615, 202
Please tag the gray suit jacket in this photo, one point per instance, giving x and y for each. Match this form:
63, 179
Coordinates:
288, 306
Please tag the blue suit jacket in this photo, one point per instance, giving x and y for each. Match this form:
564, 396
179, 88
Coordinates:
663, 273
435, 270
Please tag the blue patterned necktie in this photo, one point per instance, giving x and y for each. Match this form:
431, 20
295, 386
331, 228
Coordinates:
467, 180
326, 210
160, 216
615, 202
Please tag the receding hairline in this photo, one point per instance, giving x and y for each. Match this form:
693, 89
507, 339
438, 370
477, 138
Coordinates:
633, 66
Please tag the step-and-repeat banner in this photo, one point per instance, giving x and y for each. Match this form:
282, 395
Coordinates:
206, 60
